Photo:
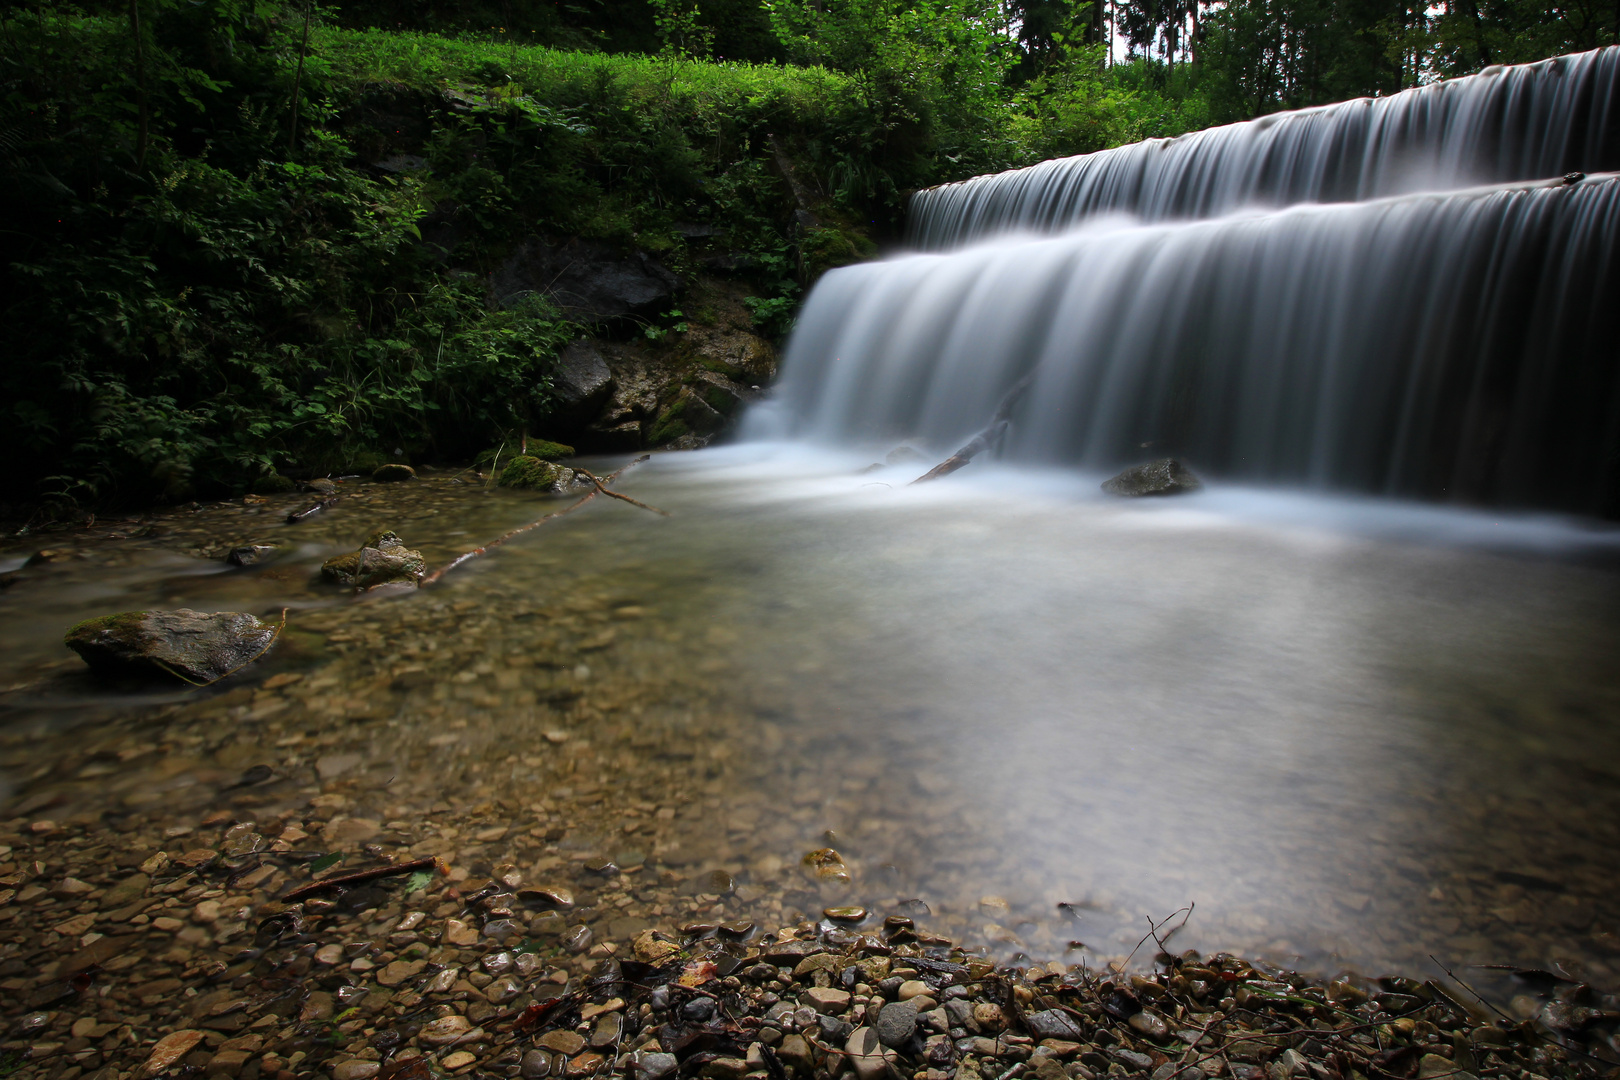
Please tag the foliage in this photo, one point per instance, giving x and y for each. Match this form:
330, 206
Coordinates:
232, 257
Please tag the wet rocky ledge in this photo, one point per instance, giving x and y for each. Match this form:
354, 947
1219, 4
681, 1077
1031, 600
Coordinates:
280, 948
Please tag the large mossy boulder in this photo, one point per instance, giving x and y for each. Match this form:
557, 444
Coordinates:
382, 560
195, 646
527, 472
590, 281
1167, 476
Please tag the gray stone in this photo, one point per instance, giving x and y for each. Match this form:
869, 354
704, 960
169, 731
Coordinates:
252, 554
1054, 1024
581, 384
1167, 476
193, 645
382, 559
654, 1066
536, 1065
834, 1030
590, 281
897, 1023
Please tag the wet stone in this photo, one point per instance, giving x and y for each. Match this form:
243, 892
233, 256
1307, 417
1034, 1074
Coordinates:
563, 1042
446, 1031
896, 1023
654, 1066
535, 1065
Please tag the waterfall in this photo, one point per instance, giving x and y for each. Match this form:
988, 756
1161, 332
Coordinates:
1529, 122
1459, 345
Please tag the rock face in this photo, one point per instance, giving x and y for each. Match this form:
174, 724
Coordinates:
382, 560
1167, 476
194, 645
581, 386
590, 281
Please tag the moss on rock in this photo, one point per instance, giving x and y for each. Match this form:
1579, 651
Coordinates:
393, 471
549, 451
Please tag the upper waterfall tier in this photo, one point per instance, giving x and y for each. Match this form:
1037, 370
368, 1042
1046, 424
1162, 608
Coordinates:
1457, 346
1530, 122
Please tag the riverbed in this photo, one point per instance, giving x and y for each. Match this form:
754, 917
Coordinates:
1332, 733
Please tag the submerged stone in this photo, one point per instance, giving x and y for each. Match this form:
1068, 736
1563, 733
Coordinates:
1167, 476
392, 472
191, 645
382, 560
252, 554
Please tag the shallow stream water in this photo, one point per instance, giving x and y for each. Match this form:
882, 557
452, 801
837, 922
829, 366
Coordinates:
1349, 733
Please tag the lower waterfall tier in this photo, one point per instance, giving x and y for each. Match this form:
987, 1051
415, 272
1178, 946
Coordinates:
1463, 347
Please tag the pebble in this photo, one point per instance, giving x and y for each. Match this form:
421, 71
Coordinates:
535, 1065
654, 1066
826, 999
446, 1030
896, 1023
169, 1049
354, 1069
458, 1059
563, 1042
1149, 1025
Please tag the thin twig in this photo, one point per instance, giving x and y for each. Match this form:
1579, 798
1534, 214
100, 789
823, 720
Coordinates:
468, 556
358, 877
592, 477
1471, 990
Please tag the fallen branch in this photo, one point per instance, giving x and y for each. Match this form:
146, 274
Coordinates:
359, 877
593, 478
468, 556
299, 515
989, 437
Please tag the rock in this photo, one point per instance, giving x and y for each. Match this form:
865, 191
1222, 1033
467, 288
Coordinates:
1055, 1024
989, 1017
563, 1042
725, 1068
194, 645
321, 486
578, 939
589, 280
503, 989
546, 450
581, 385
795, 1051
607, 1031
449, 1030
867, 1054
903, 455
393, 472
653, 1066
1144, 1023
383, 559
454, 1061
845, 914
355, 1069
897, 1023
252, 554
529, 473
912, 988
398, 971
535, 1065
688, 416
825, 999
1166, 476
170, 1049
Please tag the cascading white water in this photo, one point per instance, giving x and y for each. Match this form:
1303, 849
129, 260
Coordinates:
1458, 346
1528, 122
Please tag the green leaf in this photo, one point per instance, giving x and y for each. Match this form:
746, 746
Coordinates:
325, 862
418, 881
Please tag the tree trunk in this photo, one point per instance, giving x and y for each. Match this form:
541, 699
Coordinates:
298, 82
144, 123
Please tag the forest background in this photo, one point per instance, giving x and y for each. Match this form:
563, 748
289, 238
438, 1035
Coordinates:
215, 268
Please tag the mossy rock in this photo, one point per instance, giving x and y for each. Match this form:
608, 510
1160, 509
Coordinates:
549, 451
193, 646
669, 426
274, 484
392, 472
529, 473
382, 560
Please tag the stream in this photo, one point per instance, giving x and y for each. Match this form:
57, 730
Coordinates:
1348, 732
